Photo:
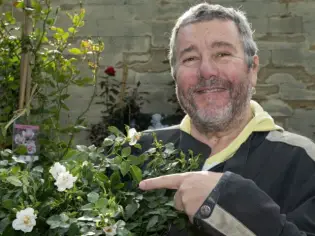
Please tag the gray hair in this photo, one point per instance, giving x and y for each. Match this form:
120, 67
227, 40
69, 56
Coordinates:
207, 12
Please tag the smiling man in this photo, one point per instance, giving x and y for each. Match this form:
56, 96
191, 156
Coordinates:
256, 178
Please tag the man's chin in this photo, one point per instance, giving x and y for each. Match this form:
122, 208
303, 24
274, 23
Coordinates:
209, 115
214, 110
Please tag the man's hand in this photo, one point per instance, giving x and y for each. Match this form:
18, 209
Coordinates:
192, 188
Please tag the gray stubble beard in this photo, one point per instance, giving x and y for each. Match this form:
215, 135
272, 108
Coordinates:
227, 118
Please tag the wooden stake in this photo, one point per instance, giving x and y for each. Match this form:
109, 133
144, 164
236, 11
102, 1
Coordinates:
25, 82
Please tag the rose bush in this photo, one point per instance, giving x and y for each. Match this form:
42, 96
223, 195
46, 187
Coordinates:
50, 185
90, 191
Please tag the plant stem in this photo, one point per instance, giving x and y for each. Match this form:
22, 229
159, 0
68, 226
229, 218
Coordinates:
95, 78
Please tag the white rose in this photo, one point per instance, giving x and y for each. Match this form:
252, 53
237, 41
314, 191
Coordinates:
110, 230
65, 181
25, 220
56, 169
134, 136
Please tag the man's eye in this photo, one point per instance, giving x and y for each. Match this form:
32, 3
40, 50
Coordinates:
189, 59
223, 54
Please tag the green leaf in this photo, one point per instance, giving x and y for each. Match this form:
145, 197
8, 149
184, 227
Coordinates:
19, 4
101, 203
54, 221
65, 36
50, 21
72, 30
75, 20
9, 17
124, 168
169, 148
74, 230
2, 214
115, 179
82, 148
119, 186
152, 150
25, 189
135, 160
153, 204
21, 150
60, 30
75, 51
101, 177
71, 153
39, 169
108, 142
136, 173
152, 222
8, 204
16, 169
64, 106
93, 197
114, 130
4, 223
14, 181
86, 218
126, 151
84, 81
64, 217
138, 146
87, 207
131, 209
64, 96
25, 180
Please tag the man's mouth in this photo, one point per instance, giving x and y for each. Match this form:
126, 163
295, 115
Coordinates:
210, 90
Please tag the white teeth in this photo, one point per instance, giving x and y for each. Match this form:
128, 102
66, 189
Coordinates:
211, 90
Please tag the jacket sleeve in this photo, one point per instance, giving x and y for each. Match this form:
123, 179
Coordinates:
238, 207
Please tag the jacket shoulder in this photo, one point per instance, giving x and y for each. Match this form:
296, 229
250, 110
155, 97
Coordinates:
168, 134
293, 140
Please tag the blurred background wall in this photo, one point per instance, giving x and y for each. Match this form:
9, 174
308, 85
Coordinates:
138, 31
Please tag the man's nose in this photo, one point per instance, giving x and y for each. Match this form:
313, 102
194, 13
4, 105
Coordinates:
208, 68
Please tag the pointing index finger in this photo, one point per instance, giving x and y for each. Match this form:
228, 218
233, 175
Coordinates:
167, 181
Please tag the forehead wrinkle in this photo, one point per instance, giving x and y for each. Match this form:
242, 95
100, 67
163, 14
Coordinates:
222, 44
190, 48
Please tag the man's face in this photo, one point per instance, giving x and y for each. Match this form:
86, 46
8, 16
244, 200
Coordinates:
213, 82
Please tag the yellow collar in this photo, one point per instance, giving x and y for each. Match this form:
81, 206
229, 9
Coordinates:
261, 121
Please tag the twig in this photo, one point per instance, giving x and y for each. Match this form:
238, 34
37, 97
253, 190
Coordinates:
23, 111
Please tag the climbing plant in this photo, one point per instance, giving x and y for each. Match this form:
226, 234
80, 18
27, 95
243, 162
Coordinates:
53, 67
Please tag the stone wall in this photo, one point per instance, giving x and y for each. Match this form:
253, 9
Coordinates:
139, 31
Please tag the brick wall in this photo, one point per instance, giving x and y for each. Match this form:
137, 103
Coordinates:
139, 29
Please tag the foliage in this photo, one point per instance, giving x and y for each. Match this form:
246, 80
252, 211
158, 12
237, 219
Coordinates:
120, 108
178, 115
83, 190
54, 67
104, 194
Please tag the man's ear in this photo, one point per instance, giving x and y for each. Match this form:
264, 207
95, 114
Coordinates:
254, 70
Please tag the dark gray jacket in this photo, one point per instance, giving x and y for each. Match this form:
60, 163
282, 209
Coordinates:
268, 186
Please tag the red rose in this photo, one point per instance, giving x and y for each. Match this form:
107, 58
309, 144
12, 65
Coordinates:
110, 71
